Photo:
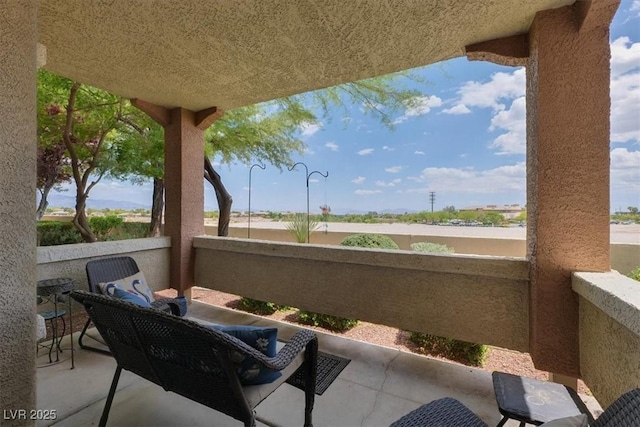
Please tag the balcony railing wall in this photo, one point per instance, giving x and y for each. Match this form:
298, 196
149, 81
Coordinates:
624, 256
152, 256
472, 298
609, 333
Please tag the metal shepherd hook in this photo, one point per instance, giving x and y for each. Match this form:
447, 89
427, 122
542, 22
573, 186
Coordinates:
261, 166
308, 175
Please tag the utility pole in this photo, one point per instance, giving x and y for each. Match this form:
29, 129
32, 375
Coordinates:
432, 199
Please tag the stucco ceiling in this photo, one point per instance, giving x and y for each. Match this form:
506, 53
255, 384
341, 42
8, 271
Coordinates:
229, 53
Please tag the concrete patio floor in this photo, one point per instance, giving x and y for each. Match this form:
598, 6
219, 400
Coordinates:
378, 386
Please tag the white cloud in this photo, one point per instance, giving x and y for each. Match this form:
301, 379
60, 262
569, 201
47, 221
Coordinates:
508, 178
513, 120
625, 90
314, 180
331, 146
502, 86
392, 183
418, 106
309, 128
635, 7
394, 169
387, 148
358, 180
624, 56
457, 110
419, 153
625, 170
366, 192
365, 151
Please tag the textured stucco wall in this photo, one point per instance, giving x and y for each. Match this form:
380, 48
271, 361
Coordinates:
184, 193
472, 298
567, 176
624, 256
17, 219
609, 354
151, 255
609, 333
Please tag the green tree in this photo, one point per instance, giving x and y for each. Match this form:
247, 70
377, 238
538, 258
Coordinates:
52, 170
633, 210
84, 118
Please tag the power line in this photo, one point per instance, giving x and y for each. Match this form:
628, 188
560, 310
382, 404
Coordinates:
432, 199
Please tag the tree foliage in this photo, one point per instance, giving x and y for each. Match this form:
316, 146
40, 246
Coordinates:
84, 118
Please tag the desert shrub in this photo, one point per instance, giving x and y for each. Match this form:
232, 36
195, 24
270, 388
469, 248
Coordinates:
51, 233
334, 323
260, 307
297, 226
460, 351
129, 230
635, 274
433, 248
102, 226
369, 241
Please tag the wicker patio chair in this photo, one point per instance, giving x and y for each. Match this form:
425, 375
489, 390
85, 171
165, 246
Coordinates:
111, 269
448, 412
192, 360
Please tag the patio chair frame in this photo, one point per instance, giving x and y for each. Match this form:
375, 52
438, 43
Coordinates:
190, 359
105, 270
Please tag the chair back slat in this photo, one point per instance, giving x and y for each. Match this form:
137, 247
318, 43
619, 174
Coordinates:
109, 269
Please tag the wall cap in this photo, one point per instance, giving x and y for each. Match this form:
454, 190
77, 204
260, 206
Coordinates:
480, 265
615, 294
59, 253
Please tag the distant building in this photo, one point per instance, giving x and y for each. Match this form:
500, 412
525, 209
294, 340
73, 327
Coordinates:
509, 211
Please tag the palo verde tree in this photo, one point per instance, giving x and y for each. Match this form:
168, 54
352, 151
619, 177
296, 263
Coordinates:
84, 119
52, 170
269, 132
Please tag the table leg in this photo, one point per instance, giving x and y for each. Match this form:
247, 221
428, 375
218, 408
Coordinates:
71, 330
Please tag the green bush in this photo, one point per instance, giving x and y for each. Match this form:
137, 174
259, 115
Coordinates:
460, 351
260, 307
51, 233
334, 323
433, 248
102, 226
635, 274
369, 241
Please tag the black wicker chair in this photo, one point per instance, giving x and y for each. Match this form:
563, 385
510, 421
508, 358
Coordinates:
110, 269
194, 361
448, 412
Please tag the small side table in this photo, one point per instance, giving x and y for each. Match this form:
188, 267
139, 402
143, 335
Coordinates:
55, 290
533, 401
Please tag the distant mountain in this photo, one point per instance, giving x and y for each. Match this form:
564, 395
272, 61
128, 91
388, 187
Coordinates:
60, 201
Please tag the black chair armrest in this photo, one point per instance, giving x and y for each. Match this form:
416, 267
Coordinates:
169, 305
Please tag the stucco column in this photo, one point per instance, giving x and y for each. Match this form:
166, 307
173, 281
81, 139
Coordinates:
184, 183
184, 193
567, 173
17, 208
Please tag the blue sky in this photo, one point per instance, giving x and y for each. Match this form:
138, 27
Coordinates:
465, 140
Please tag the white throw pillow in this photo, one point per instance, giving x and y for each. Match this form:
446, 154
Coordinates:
135, 284
574, 421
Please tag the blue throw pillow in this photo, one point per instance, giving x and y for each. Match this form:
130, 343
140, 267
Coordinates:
130, 297
262, 339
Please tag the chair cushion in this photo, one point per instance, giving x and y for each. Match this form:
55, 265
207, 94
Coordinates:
262, 339
257, 393
135, 284
130, 297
